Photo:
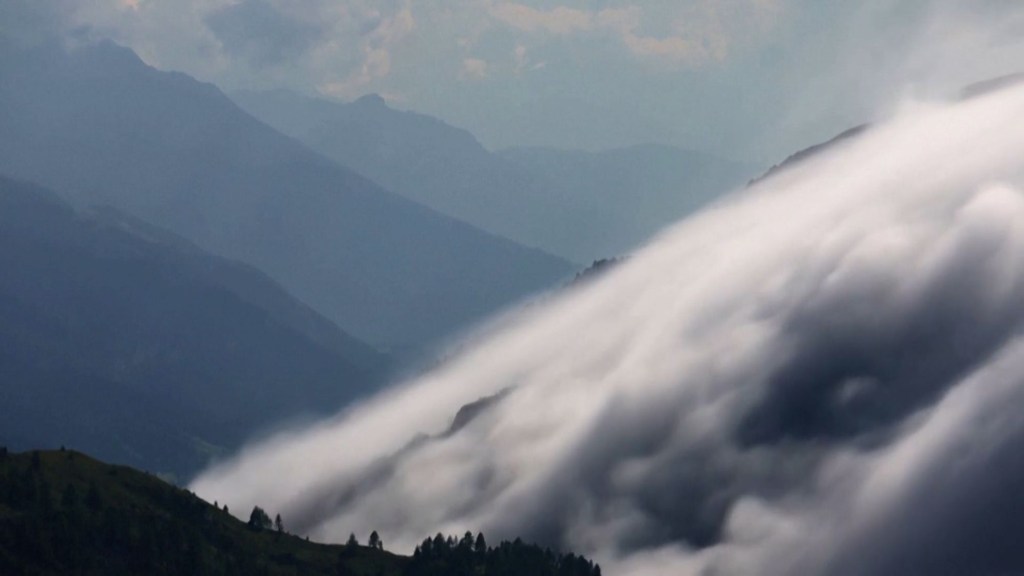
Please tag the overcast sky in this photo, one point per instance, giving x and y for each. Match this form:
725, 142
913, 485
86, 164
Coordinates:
749, 79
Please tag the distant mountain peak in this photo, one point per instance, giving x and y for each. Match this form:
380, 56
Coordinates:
112, 54
991, 85
371, 100
176, 153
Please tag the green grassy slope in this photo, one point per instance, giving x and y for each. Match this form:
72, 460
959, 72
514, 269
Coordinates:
62, 512
65, 513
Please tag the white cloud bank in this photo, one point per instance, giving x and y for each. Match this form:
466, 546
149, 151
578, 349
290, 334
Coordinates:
821, 375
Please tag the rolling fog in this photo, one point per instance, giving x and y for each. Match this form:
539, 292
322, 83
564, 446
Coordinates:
820, 374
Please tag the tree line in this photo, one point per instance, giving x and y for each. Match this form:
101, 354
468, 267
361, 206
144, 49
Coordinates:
62, 513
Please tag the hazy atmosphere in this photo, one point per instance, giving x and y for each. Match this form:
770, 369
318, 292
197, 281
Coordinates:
754, 79
475, 287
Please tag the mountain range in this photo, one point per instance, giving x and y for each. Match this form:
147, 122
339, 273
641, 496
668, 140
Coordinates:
100, 127
578, 205
185, 276
142, 349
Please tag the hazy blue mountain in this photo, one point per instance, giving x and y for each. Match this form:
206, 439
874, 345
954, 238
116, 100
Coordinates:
970, 91
578, 205
628, 194
813, 150
423, 159
127, 341
991, 85
100, 126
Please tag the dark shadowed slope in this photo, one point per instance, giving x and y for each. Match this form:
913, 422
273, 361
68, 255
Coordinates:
61, 512
578, 205
100, 126
129, 342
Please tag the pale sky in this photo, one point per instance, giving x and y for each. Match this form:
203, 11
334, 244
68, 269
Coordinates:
748, 79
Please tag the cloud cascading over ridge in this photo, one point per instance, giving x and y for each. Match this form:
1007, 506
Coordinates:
820, 375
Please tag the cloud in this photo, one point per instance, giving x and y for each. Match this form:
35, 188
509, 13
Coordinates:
474, 68
261, 34
820, 375
379, 39
626, 24
701, 32
523, 62
559, 20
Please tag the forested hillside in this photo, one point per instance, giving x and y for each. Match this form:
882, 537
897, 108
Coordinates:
62, 512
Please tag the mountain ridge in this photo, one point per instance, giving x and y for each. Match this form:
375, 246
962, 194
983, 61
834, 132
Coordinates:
148, 351
575, 215
62, 511
100, 127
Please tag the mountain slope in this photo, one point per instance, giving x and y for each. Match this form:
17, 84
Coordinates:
813, 150
99, 126
970, 91
139, 347
579, 205
628, 194
62, 512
